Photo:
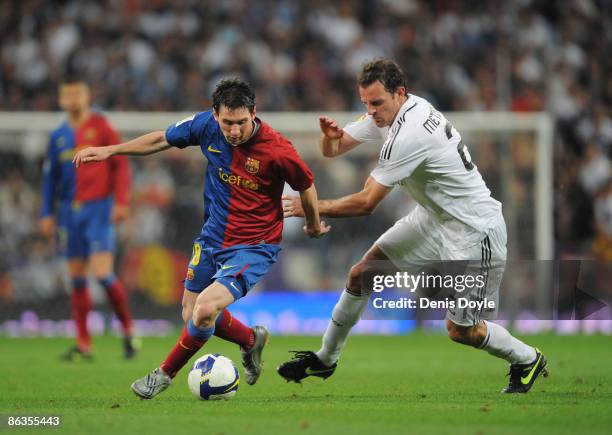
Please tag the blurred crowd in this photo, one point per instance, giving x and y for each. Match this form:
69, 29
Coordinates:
166, 212
523, 55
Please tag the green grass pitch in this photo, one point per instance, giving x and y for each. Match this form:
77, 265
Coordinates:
419, 383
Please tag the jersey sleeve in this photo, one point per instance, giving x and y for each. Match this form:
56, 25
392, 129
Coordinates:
399, 157
51, 172
364, 130
293, 169
188, 131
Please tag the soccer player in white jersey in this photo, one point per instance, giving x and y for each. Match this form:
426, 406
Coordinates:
455, 219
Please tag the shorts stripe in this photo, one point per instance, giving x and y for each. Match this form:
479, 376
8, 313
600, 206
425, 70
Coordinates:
241, 271
485, 265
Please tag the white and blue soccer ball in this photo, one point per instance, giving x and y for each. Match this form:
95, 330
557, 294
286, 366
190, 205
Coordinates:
213, 377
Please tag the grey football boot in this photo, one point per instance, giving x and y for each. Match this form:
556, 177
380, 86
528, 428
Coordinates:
251, 359
152, 384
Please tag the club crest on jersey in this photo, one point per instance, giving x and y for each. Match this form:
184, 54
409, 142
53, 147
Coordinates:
252, 165
190, 274
89, 134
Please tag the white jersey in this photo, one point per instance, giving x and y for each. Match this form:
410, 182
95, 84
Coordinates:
423, 153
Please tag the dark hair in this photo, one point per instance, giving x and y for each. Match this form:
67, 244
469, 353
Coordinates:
233, 94
383, 70
72, 79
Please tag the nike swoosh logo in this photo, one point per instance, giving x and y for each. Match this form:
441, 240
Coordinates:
525, 380
213, 150
226, 267
236, 288
310, 371
183, 346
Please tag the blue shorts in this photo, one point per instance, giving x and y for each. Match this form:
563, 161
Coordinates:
86, 227
238, 268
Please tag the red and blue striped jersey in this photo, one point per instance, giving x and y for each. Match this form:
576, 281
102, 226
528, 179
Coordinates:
93, 181
244, 183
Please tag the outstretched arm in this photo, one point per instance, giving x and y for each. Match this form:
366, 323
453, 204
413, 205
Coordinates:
308, 200
145, 145
361, 203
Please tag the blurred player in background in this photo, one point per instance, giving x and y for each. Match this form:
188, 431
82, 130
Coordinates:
89, 203
248, 165
456, 219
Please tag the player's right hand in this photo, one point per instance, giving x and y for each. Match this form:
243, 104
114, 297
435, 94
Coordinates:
315, 233
120, 213
91, 154
46, 226
330, 128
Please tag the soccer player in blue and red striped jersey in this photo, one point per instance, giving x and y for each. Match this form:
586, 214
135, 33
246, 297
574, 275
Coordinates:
87, 203
248, 166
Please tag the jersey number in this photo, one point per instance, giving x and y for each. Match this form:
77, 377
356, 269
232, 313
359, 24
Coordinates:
465, 156
195, 257
461, 148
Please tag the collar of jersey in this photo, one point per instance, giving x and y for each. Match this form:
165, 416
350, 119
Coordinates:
408, 104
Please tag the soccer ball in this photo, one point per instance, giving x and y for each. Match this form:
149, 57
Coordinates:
213, 377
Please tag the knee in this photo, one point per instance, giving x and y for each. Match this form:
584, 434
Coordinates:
77, 268
354, 278
459, 334
204, 314
101, 270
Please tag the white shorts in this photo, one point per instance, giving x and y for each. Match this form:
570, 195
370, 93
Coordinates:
421, 238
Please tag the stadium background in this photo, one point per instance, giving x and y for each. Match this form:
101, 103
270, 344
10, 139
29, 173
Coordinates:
523, 56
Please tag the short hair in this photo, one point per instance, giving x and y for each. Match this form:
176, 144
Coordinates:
73, 79
383, 70
233, 93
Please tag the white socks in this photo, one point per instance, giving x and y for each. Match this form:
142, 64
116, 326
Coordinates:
347, 312
345, 315
501, 344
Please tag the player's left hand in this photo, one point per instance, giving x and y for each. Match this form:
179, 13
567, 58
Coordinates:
292, 206
120, 213
91, 154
